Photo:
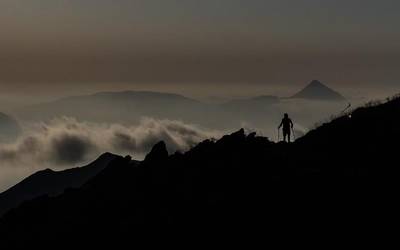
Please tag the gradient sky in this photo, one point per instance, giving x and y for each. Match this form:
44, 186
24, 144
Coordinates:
64, 47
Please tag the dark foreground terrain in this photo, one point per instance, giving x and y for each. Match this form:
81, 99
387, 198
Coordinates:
342, 175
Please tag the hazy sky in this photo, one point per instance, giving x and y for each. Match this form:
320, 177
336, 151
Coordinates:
68, 46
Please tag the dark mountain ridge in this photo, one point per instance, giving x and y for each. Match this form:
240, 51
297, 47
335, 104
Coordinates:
338, 173
52, 183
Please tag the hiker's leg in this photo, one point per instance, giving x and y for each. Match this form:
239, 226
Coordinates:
288, 134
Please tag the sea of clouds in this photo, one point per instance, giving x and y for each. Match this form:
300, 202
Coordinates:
66, 142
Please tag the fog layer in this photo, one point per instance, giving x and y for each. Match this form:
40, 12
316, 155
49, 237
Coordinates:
66, 142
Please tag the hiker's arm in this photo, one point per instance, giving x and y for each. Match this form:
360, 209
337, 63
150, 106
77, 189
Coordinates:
280, 125
291, 123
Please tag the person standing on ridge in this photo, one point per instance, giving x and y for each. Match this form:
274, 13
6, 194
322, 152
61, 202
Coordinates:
287, 125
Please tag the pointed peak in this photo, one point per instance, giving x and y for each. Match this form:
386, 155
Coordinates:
44, 172
316, 83
158, 152
316, 90
107, 155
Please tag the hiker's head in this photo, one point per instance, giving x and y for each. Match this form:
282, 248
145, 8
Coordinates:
286, 115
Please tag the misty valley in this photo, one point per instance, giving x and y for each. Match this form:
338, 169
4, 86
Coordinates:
236, 181
72, 131
243, 123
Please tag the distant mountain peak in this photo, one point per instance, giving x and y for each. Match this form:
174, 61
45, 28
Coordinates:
316, 90
316, 83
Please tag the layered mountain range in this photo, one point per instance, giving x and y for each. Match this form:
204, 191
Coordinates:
340, 171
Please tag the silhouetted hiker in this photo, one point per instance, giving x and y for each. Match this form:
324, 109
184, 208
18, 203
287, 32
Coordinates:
287, 125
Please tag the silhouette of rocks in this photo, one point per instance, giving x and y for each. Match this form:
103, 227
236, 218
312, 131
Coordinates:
338, 174
159, 152
51, 183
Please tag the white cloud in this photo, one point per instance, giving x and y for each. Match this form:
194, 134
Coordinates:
65, 141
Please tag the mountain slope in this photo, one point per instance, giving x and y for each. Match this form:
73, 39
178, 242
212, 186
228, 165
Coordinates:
342, 171
48, 182
318, 91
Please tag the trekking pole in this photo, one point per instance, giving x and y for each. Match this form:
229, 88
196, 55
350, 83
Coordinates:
294, 136
348, 107
279, 135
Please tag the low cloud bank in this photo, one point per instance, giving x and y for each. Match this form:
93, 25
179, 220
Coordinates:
66, 142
